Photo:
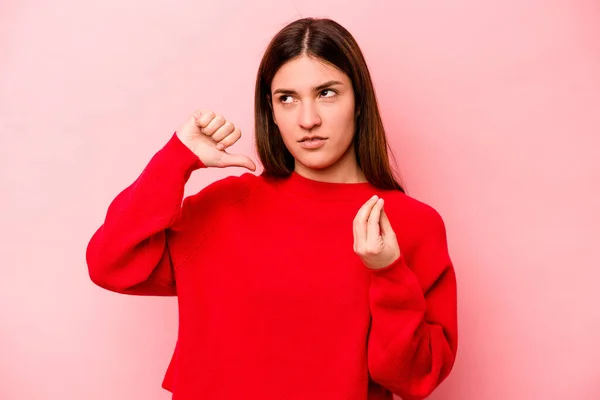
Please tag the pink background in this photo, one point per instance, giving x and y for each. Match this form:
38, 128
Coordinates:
493, 109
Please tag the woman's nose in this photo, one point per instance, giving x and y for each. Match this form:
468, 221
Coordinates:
309, 116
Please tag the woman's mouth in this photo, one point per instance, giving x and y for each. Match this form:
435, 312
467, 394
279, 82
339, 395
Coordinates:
312, 143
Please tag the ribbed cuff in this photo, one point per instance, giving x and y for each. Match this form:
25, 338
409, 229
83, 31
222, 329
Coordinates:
398, 263
397, 282
179, 156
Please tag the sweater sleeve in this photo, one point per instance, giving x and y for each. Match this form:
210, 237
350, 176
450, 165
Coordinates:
413, 339
129, 253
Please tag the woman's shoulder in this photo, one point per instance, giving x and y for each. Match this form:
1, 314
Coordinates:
225, 190
410, 212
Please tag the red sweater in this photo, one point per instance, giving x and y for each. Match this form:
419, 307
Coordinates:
273, 302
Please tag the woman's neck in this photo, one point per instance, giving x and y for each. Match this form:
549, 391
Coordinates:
345, 170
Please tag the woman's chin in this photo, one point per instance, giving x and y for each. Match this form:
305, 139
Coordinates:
315, 164
316, 161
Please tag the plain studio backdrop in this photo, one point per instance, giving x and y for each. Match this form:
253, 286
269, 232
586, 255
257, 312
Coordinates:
493, 112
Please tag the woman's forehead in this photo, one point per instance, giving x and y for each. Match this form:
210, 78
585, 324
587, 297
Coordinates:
305, 73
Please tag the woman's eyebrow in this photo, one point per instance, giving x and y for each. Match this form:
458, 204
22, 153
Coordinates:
315, 89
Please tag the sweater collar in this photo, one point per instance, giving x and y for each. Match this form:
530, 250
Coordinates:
326, 191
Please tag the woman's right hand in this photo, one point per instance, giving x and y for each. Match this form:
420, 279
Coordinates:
208, 136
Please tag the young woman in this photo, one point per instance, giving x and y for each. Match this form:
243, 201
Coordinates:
317, 279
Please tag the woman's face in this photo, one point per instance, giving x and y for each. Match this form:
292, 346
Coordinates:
312, 99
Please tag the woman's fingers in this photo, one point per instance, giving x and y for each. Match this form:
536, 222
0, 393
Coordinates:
373, 230
361, 223
213, 125
230, 139
223, 131
203, 118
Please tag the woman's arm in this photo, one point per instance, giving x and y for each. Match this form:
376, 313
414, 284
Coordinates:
413, 339
129, 253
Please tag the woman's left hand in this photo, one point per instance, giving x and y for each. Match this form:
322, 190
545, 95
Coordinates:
374, 239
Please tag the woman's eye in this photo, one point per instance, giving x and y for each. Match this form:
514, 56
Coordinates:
331, 93
285, 99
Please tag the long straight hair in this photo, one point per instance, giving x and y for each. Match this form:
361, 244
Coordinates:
326, 40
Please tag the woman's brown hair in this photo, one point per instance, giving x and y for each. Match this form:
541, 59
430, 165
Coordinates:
330, 42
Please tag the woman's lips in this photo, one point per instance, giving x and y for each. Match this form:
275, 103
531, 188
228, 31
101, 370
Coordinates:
314, 143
